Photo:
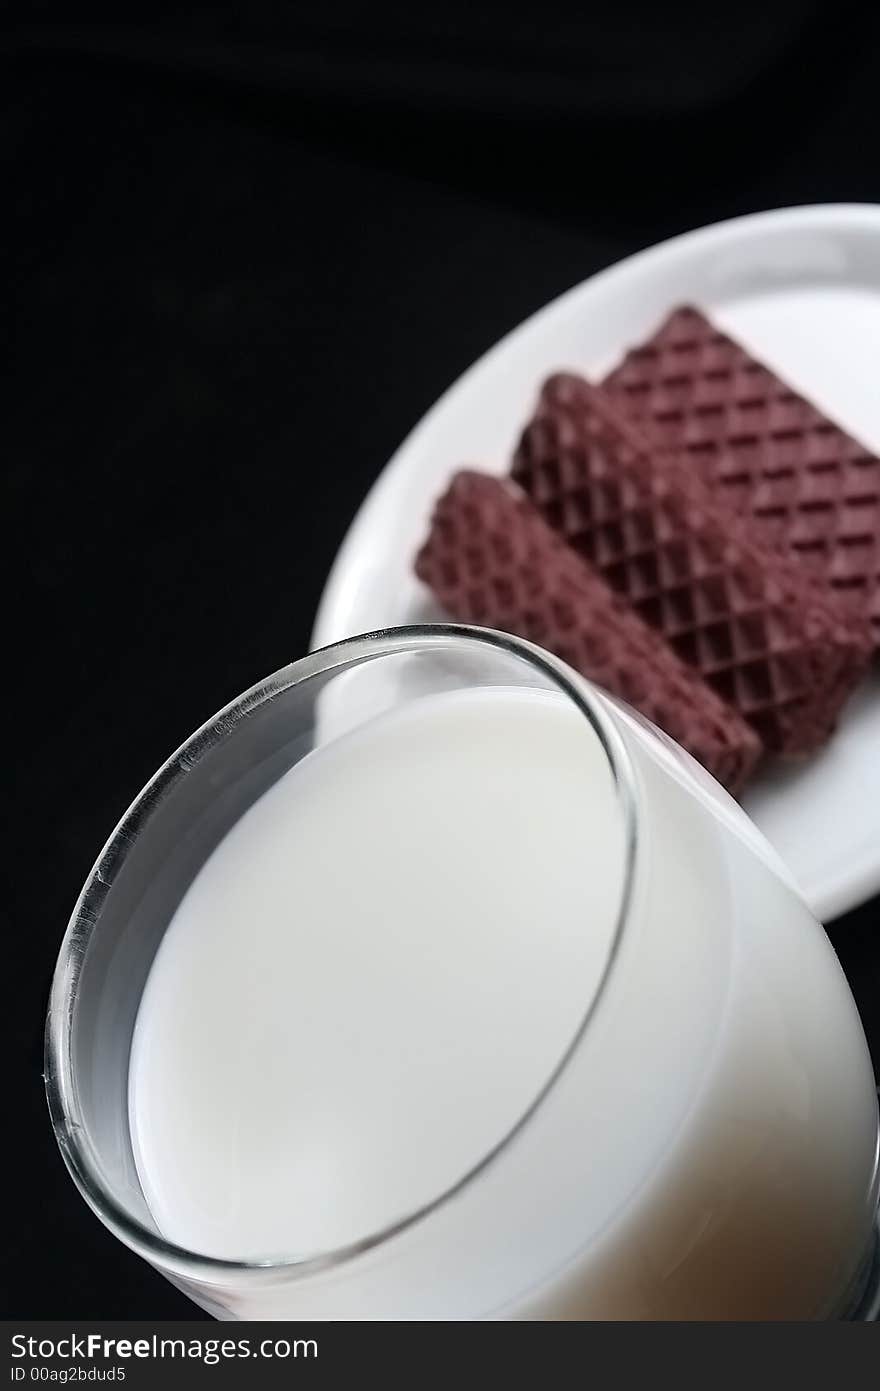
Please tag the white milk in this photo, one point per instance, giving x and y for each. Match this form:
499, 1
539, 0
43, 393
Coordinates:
382, 965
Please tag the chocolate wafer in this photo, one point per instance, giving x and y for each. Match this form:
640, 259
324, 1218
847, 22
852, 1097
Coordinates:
807, 486
752, 624
491, 559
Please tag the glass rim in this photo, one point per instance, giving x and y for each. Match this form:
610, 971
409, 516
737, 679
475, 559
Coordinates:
59, 1071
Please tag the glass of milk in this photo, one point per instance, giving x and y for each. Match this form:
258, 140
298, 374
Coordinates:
425, 981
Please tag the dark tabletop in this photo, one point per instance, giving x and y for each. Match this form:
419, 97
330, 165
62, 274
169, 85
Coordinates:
240, 263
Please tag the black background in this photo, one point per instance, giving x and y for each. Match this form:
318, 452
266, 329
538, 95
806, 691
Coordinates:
242, 256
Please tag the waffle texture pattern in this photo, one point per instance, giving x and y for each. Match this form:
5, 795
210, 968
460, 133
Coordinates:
491, 559
808, 488
750, 622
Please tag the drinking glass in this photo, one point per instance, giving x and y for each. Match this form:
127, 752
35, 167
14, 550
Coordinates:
705, 1146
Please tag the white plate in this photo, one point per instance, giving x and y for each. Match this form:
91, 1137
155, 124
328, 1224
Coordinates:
801, 288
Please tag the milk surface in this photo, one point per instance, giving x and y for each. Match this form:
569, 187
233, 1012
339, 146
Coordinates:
375, 974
